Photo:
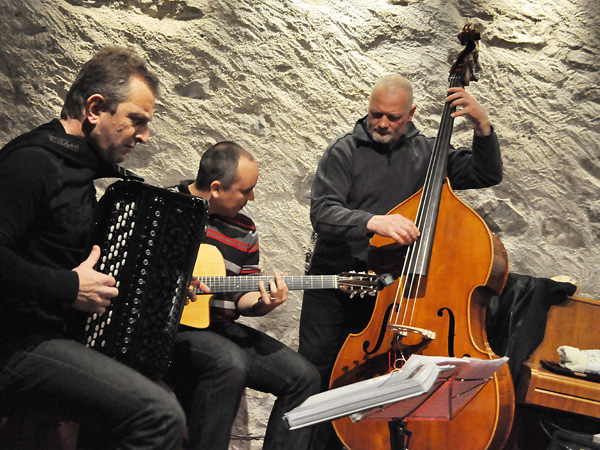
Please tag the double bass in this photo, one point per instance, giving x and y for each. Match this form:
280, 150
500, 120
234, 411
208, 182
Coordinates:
436, 307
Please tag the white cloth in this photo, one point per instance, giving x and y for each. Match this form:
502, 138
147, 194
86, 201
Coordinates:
583, 361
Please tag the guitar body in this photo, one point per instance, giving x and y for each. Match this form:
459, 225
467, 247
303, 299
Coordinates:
209, 262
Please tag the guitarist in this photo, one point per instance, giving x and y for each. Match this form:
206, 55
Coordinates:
211, 367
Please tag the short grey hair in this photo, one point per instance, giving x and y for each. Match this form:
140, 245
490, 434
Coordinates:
394, 82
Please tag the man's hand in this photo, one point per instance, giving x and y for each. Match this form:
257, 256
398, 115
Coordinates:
278, 292
95, 288
191, 297
457, 96
394, 226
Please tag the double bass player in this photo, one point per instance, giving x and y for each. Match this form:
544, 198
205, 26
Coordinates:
362, 175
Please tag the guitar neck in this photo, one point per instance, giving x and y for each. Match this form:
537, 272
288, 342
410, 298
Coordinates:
250, 283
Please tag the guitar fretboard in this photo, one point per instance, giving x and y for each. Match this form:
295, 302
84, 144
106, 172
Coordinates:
250, 283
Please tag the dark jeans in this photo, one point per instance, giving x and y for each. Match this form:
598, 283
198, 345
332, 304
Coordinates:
63, 378
212, 367
327, 318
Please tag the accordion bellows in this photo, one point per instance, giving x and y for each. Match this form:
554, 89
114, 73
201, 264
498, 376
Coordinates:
149, 239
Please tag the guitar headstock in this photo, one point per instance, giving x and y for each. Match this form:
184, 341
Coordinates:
467, 61
354, 283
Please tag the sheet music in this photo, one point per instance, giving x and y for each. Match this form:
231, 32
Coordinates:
417, 377
413, 379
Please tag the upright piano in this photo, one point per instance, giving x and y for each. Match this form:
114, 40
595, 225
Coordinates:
545, 397
575, 323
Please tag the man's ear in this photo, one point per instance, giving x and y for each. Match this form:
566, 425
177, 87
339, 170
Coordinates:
411, 112
93, 107
215, 189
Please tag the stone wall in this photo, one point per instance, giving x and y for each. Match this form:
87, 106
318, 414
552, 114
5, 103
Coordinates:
285, 77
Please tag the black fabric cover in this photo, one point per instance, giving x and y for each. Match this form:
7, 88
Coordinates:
516, 319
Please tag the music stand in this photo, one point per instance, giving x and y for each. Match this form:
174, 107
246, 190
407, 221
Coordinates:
447, 397
426, 388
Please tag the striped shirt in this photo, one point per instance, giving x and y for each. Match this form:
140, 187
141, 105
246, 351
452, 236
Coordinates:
237, 240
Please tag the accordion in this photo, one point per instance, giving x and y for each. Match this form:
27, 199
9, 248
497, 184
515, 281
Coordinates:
149, 239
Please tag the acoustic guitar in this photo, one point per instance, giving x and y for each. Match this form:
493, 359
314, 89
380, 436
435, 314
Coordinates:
210, 269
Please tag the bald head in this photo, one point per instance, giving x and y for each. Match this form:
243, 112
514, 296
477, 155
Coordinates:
392, 83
